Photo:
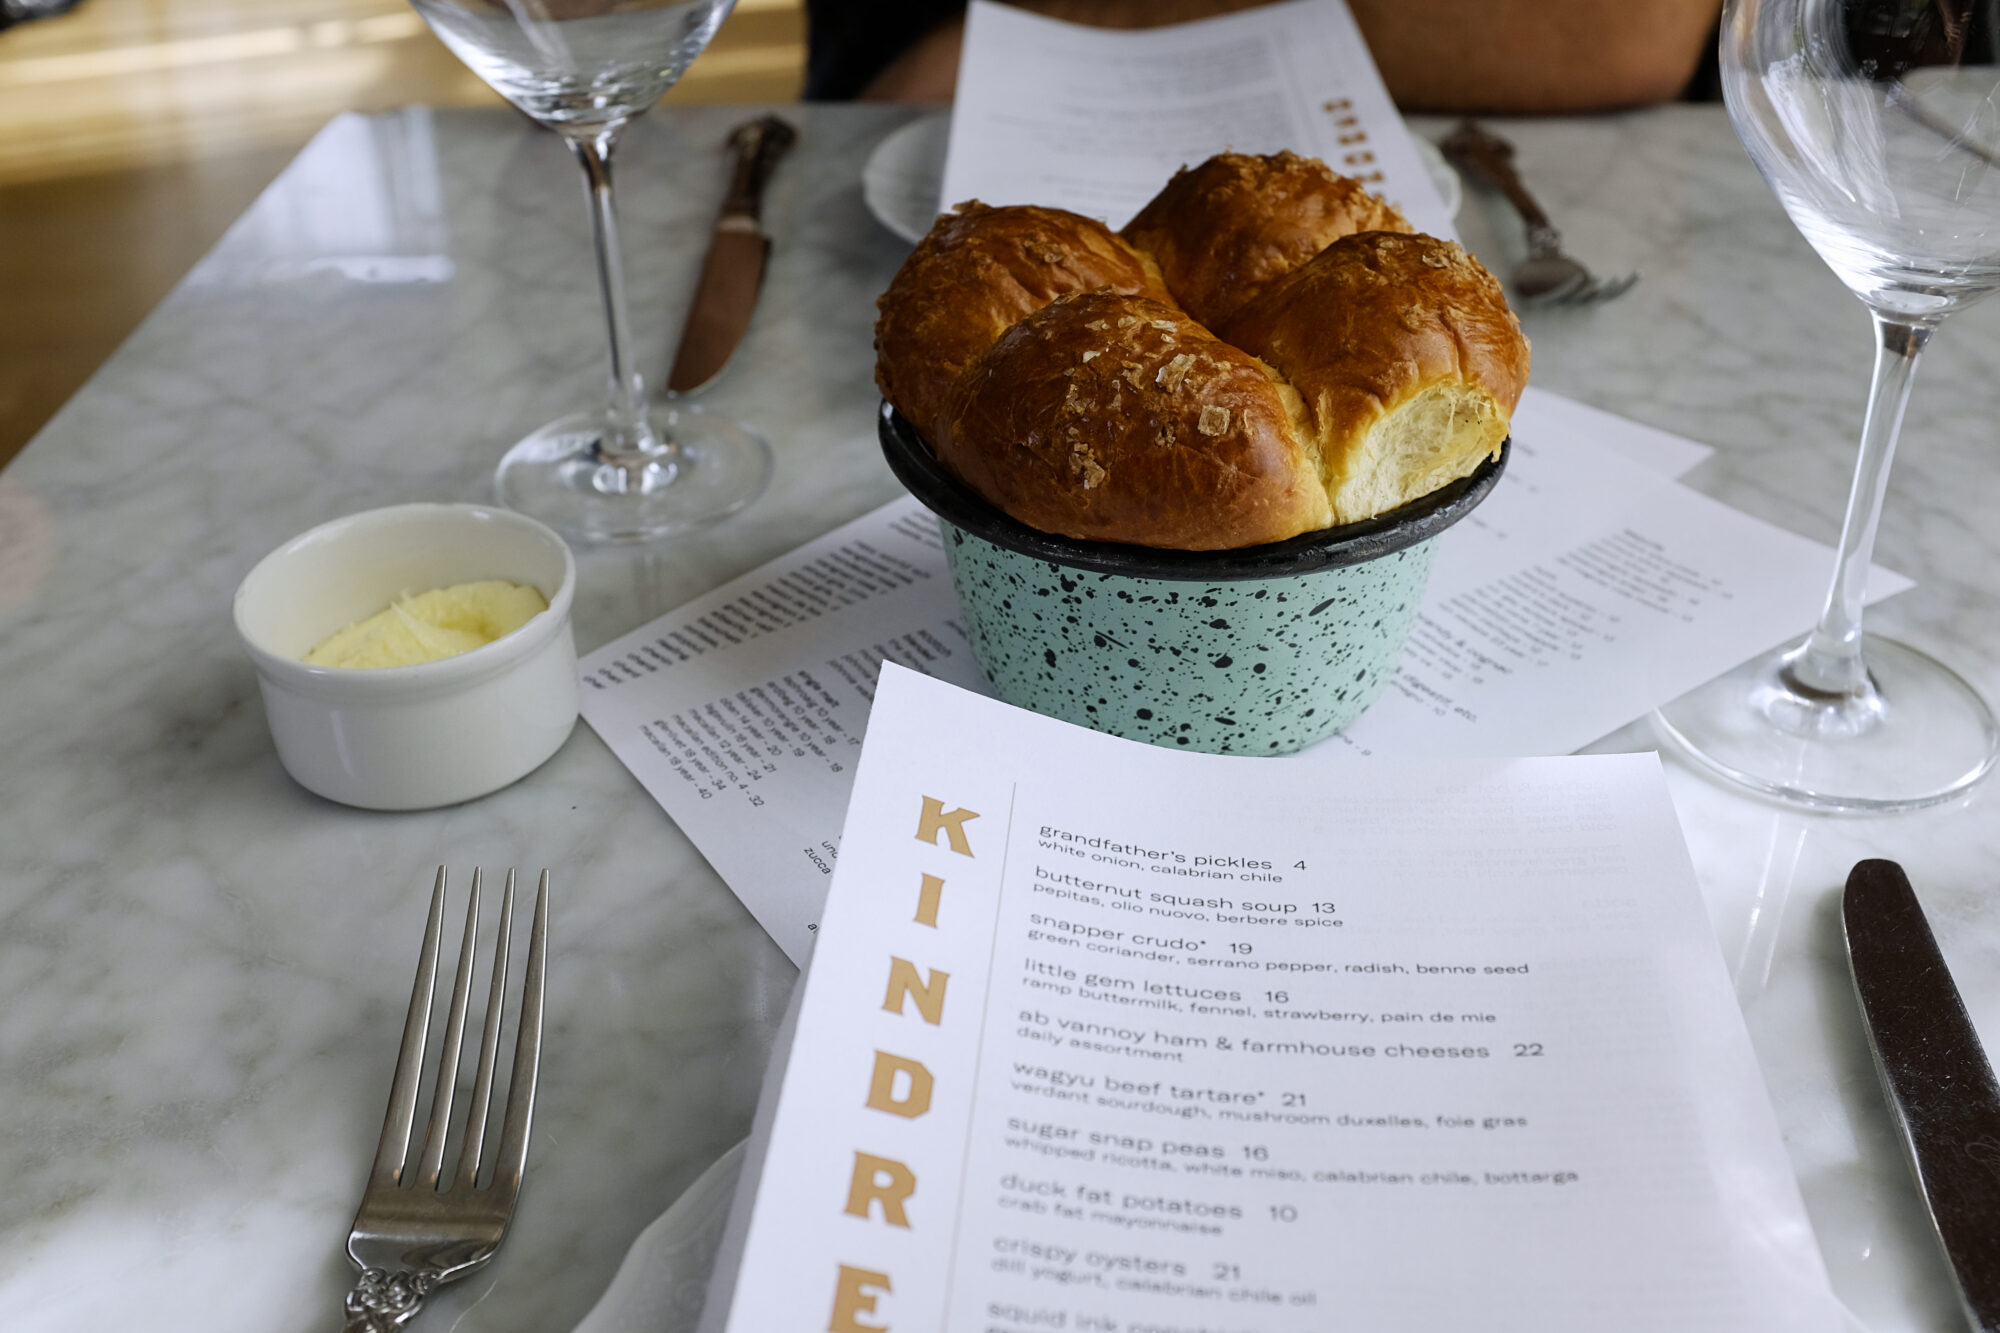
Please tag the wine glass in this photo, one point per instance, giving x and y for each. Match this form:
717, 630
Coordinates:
1875, 123
585, 68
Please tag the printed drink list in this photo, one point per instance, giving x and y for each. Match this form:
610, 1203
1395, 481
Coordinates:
1103, 1037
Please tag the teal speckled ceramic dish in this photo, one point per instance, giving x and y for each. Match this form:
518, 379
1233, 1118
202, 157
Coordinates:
1259, 650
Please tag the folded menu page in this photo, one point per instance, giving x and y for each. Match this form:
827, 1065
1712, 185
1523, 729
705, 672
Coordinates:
1095, 120
1587, 589
1099, 1036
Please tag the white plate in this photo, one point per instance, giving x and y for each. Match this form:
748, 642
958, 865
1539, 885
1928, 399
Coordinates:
1443, 179
906, 171
664, 1279
904, 175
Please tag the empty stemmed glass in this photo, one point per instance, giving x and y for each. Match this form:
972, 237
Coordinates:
585, 68
1875, 122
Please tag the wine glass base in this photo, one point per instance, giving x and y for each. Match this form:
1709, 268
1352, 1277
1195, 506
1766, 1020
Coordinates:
708, 468
1923, 736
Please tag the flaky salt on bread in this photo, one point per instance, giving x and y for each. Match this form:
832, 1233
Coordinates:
1350, 382
976, 274
1384, 369
1407, 357
1116, 418
1226, 230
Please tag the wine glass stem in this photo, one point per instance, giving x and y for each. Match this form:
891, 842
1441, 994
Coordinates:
631, 439
1831, 660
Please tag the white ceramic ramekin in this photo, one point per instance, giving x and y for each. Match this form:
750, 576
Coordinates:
409, 738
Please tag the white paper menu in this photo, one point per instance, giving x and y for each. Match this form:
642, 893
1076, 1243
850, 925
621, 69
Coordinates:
1095, 120
1586, 590
1102, 1037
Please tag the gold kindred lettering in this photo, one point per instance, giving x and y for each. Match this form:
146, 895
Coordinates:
882, 1180
927, 900
855, 1292
953, 824
882, 1086
904, 985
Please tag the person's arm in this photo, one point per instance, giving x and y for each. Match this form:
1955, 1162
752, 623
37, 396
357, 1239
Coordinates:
1435, 55
1535, 55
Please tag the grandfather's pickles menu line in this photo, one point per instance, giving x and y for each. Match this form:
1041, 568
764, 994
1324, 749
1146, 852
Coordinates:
1101, 1037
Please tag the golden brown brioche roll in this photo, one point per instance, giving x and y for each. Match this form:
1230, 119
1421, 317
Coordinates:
1227, 229
978, 272
1117, 418
1407, 357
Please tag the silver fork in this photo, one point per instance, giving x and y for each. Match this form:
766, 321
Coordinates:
1547, 276
419, 1228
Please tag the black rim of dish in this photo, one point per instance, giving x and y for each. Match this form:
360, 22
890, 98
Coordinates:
1329, 548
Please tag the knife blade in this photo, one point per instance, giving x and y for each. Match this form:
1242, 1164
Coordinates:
734, 270
1937, 1078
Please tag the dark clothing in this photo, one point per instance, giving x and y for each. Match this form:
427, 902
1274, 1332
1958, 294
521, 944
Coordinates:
20, 11
849, 42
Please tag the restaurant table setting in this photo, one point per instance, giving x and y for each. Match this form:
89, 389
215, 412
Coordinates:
204, 965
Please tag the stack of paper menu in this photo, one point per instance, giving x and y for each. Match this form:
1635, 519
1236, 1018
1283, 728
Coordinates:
1095, 121
1102, 1037
1588, 588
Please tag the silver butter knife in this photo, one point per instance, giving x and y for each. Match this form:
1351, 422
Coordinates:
1938, 1081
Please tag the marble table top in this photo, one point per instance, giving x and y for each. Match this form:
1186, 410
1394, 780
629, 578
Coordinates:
203, 968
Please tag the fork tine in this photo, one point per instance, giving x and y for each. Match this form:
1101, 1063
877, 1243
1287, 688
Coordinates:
527, 1052
394, 1145
1618, 287
1556, 296
469, 1158
1585, 292
1599, 290
446, 1086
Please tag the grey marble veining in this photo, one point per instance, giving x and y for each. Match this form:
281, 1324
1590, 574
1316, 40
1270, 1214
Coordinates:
202, 967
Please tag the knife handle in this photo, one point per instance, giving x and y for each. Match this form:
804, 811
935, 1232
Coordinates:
758, 144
